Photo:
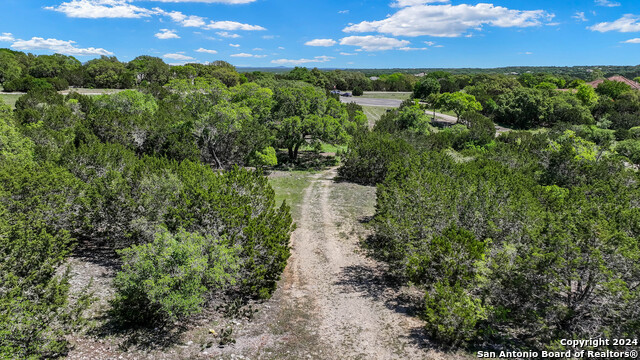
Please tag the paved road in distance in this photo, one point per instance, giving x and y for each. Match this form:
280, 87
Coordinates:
393, 103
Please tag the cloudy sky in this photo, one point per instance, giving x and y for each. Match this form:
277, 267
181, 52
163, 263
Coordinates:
331, 34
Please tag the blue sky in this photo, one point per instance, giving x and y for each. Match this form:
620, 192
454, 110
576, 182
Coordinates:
331, 34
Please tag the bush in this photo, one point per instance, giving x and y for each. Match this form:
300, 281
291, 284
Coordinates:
451, 314
630, 149
28, 83
58, 83
357, 91
481, 129
240, 206
369, 155
171, 278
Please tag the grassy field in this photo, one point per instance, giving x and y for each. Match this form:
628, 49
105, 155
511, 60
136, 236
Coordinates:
10, 99
441, 111
386, 95
290, 186
374, 113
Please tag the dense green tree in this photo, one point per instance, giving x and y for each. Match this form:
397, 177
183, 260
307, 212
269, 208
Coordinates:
613, 89
149, 69
587, 95
108, 72
10, 68
426, 87
459, 103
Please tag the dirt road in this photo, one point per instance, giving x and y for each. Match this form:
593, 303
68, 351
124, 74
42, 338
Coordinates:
357, 312
333, 301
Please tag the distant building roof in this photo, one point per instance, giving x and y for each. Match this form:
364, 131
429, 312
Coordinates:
634, 85
374, 78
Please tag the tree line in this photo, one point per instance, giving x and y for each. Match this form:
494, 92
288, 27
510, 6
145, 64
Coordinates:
160, 176
517, 240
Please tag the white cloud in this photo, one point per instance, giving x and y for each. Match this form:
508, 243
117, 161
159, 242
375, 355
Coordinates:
317, 59
347, 54
627, 23
412, 49
280, 48
632, 41
165, 34
177, 56
525, 53
232, 26
374, 43
607, 3
58, 46
235, 45
579, 16
430, 43
321, 42
94, 9
182, 19
258, 49
229, 35
343, 12
245, 55
203, 50
201, 22
7, 37
268, 37
450, 20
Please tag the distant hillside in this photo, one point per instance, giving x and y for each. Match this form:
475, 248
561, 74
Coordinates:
583, 72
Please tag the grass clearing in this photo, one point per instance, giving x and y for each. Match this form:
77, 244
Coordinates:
290, 186
440, 111
10, 99
374, 113
386, 95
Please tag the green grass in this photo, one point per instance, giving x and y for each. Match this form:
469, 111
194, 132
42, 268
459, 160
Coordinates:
430, 111
386, 95
290, 186
374, 113
10, 99
325, 148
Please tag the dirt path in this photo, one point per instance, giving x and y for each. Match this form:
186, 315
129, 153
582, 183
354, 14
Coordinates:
356, 311
333, 302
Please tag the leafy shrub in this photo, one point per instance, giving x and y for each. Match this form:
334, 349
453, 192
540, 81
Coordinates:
238, 205
481, 129
357, 91
560, 224
630, 149
58, 83
452, 315
455, 255
26, 84
32, 298
266, 157
369, 155
602, 137
171, 277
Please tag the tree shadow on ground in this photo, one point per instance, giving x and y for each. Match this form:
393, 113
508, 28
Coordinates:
307, 160
97, 252
376, 284
146, 338
106, 325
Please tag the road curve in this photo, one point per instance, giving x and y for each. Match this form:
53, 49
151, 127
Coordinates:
393, 103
